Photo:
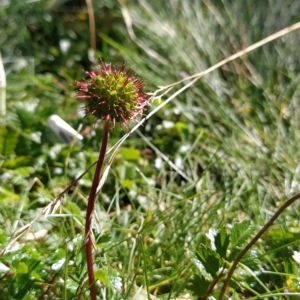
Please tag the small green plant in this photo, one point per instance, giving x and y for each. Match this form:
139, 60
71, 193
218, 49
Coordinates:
114, 96
228, 251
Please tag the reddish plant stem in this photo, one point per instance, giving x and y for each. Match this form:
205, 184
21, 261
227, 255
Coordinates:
254, 240
89, 213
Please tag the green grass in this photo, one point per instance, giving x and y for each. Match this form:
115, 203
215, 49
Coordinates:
235, 131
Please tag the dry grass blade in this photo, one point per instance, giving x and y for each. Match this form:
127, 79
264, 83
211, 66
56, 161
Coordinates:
132, 35
239, 54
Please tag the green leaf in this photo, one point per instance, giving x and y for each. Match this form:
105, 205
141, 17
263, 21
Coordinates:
3, 238
105, 238
24, 116
241, 232
9, 142
239, 235
222, 240
35, 275
22, 268
251, 260
25, 284
101, 275
130, 154
24, 171
16, 162
183, 128
127, 183
199, 286
74, 209
210, 259
110, 278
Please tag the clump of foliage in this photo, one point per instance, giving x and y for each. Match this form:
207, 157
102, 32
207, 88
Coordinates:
114, 96
190, 188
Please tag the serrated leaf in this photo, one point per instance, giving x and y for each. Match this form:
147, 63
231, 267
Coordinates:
24, 116
240, 233
210, 259
239, 236
201, 268
251, 260
10, 142
199, 286
222, 240
8, 196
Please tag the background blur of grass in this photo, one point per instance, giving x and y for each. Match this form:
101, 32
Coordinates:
234, 133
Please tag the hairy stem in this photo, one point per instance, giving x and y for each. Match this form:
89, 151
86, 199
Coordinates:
254, 240
89, 212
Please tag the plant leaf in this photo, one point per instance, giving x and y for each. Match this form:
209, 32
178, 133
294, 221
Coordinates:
239, 235
210, 259
222, 240
199, 286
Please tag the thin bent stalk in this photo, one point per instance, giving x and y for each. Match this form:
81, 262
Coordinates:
254, 240
89, 212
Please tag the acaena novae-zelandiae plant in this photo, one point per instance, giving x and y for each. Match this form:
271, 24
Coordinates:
112, 95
